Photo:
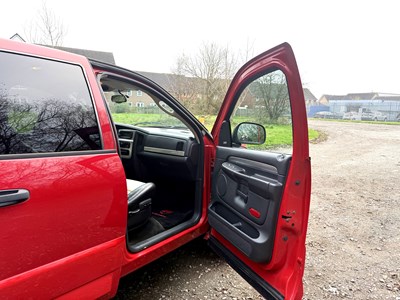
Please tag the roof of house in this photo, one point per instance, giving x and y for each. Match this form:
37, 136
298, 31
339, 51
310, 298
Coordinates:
161, 79
335, 97
308, 96
389, 98
362, 96
17, 37
169, 81
107, 57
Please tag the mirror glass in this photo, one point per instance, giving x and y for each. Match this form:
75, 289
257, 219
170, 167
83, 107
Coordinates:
250, 133
118, 99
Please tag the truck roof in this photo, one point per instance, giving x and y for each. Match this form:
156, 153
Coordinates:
32, 49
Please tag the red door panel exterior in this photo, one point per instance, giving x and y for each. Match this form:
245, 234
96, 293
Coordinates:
71, 230
285, 270
70, 209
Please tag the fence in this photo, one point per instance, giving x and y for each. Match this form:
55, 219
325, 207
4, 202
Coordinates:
126, 108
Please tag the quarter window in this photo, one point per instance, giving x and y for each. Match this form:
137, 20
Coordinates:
45, 106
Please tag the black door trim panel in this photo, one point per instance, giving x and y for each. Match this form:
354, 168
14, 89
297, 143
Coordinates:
246, 197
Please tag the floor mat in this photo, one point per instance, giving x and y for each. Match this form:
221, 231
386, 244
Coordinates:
150, 229
170, 218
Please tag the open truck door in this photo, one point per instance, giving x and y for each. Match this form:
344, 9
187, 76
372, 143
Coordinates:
260, 198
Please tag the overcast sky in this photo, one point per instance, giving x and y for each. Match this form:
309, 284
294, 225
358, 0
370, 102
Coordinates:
340, 46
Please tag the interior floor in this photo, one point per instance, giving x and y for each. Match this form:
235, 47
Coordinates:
172, 204
148, 230
169, 218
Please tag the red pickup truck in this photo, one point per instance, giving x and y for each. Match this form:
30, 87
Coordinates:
85, 200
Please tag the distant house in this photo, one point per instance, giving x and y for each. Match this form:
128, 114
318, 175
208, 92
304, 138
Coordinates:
362, 96
325, 99
390, 98
309, 97
173, 84
162, 79
140, 99
385, 103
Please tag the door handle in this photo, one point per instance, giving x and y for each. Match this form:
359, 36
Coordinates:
256, 185
10, 197
234, 170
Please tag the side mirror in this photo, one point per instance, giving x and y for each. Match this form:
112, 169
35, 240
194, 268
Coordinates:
118, 98
249, 133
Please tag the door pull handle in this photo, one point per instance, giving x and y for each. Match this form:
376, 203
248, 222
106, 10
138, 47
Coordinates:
11, 197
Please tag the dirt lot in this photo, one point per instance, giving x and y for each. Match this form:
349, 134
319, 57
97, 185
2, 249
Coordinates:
353, 242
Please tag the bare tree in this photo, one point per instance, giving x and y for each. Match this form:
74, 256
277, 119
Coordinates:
184, 88
272, 92
46, 29
211, 70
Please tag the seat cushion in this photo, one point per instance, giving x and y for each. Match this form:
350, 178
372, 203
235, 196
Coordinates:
139, 202
132, 185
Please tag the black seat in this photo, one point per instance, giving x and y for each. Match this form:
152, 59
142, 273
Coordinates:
139, 203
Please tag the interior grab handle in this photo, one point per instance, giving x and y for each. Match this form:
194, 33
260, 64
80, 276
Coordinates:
11, 197
257, 185
234, 170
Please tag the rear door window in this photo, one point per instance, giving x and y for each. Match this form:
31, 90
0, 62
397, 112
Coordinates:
45, 106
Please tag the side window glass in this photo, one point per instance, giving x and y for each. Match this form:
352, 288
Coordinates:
132, 105
264, 101
45, 106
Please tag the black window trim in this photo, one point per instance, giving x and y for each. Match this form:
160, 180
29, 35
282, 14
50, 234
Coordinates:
90, 94
109, 116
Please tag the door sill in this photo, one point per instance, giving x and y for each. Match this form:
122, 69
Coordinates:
266, 290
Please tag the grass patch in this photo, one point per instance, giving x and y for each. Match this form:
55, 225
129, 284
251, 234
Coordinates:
278, 135
313, 134
321, 137
134, 118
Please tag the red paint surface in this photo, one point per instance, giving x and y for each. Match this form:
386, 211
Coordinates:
72, 228
285, 270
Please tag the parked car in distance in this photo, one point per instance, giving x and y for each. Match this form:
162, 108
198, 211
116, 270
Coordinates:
351, 115
379, 116
367, 116
326, 115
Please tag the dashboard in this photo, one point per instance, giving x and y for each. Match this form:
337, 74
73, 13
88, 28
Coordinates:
149, 152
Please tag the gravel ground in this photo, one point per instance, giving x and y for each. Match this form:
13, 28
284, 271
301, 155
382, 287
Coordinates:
353, 242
